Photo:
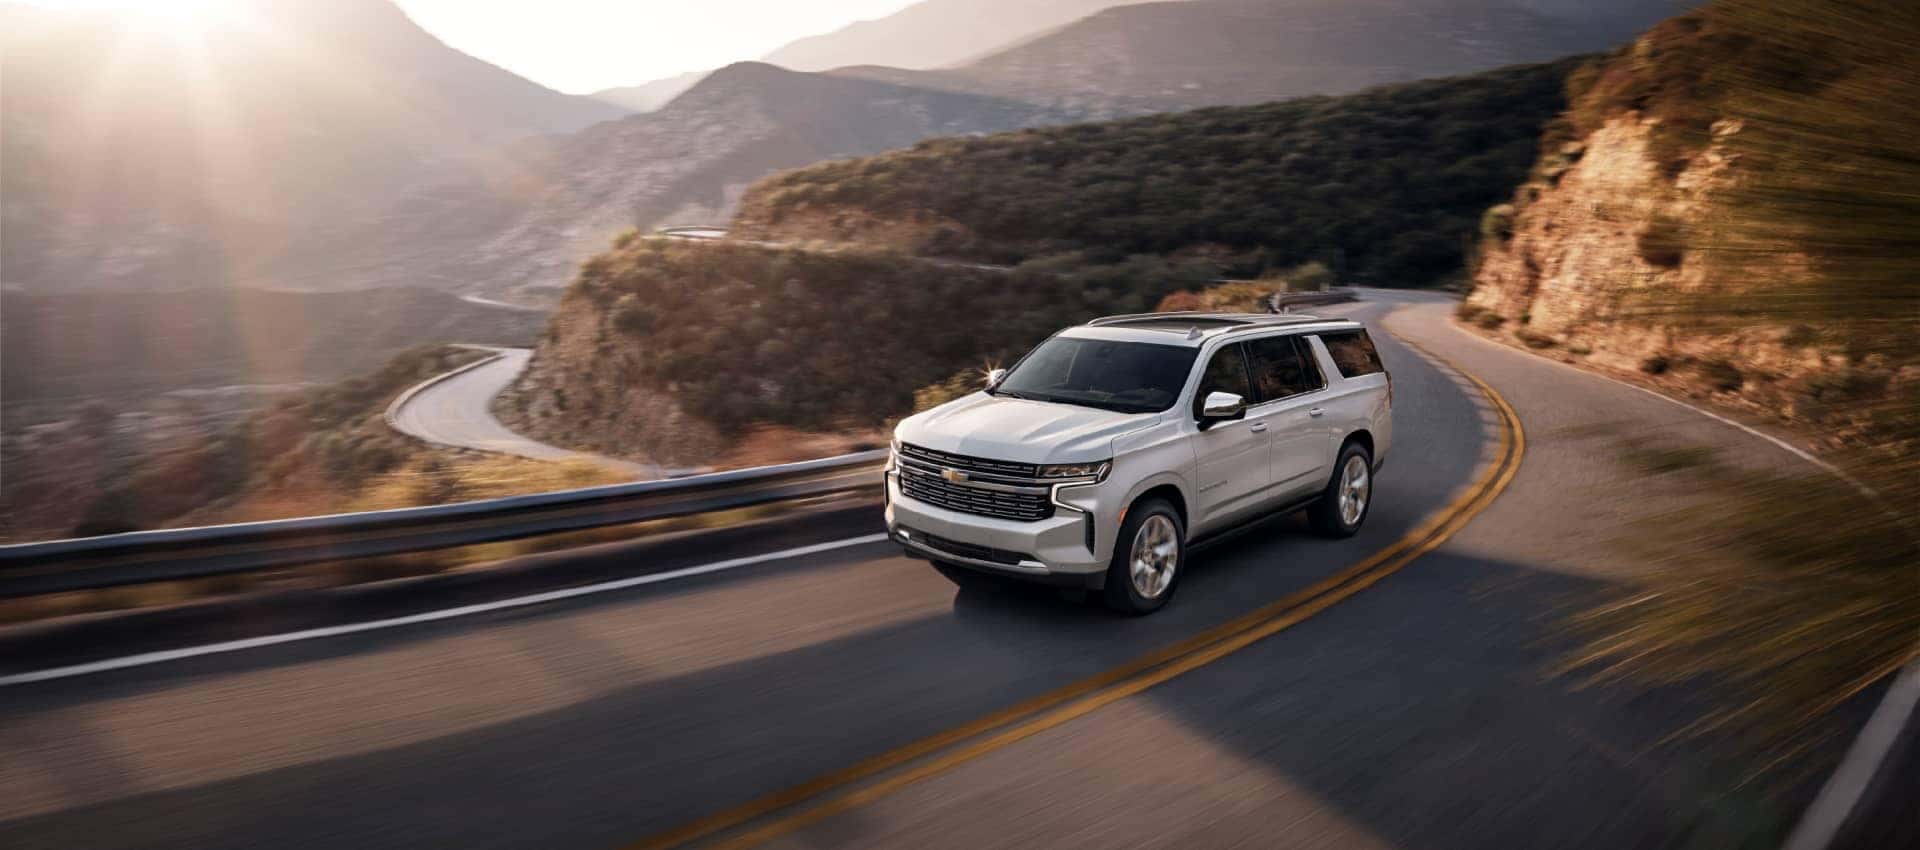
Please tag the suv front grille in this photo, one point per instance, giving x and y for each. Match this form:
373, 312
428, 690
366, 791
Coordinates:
931, 488
966, 463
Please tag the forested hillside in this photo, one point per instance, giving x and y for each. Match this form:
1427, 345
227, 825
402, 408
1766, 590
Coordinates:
671, 350
1385, 187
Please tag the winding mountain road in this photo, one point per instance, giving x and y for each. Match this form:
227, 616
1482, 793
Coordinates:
799, 684
455, 410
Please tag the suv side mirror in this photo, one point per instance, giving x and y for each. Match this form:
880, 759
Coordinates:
1221, 407
995, 376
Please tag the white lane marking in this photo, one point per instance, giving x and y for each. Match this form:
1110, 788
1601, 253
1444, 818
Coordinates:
1796, 451
1859, 766
1845, 787
146, 658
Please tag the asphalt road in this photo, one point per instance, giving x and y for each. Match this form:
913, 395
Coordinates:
456, 411
1420, 711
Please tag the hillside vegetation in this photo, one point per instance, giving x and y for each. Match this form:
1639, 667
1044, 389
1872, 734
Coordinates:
1386, 186
671, 350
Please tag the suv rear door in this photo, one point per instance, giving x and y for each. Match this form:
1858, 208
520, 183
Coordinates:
1289, 388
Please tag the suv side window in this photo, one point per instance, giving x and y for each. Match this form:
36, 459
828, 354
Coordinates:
1282, 366
1226, 373
1353, 353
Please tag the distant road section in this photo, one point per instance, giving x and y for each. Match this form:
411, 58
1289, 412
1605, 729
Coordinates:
454, 410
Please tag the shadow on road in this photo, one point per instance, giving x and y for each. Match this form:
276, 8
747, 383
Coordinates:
1419, 709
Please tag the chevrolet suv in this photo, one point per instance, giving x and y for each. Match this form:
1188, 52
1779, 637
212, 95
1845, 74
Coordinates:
1103, 453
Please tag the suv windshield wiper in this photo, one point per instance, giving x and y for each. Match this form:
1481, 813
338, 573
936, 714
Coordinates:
1017, 394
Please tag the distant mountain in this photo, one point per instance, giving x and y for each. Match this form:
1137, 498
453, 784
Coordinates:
1169, 55
933, 33
651, 95
687, 162
332, 144
138, 157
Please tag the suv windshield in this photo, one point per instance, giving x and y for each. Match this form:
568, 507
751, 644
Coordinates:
1131, 377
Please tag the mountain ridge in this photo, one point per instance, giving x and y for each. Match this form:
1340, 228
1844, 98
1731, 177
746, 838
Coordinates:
931, 33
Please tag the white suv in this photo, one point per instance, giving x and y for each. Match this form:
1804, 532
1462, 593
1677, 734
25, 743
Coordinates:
1098, 457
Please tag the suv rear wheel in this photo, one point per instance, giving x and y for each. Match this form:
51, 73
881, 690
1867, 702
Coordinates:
1343, 506
1148, 555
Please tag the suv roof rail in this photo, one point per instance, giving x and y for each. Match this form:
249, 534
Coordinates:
1146, 317
1244, 320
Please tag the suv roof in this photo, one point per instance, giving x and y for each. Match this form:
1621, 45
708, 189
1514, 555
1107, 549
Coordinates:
1193, 328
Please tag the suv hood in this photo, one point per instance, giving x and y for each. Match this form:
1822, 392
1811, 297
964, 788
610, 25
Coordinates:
1020, 430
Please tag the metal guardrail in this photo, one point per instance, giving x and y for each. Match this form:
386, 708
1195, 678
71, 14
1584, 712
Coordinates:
55, 566
1282, 302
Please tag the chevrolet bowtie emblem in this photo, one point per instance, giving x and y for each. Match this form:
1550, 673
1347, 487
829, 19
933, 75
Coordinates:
953, 475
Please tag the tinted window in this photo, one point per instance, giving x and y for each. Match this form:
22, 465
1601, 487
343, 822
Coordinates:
1282, 367
1132, 377
1353, 353
1226, 373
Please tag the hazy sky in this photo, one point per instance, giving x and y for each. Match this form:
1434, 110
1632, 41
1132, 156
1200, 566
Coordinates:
585, 45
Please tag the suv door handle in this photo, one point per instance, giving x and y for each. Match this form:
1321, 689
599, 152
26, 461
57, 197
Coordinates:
1315, 411
1257, 427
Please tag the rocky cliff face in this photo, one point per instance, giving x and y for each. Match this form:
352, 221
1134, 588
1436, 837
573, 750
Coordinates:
1587, 262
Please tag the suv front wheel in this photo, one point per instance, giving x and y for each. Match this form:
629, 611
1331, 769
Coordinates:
1148, 555
1343, 506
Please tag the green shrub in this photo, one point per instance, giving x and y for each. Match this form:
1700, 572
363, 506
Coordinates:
962, 384
632, 317
1535, 339
1311, 276
1722, 375
1497, 223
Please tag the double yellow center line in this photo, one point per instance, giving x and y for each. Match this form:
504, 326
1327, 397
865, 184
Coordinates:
782, 812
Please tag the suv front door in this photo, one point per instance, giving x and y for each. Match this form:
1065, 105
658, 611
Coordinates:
1288, 393
1231, 456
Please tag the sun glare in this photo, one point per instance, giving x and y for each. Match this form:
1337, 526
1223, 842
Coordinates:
172, 16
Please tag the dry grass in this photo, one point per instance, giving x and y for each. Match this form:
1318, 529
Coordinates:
1244, 297
1797, 592
445, 477
766, 445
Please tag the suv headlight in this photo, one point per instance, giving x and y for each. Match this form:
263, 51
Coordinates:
1096, 470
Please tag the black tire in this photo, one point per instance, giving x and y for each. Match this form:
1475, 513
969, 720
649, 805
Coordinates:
970, 579
1329, 515
1121, 594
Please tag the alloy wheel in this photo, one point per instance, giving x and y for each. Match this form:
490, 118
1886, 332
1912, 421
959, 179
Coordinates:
1156, 555
1355, 486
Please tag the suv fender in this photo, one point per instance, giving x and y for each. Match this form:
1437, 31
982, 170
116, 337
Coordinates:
1163, 482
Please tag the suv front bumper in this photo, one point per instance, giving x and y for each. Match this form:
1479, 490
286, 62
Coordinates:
1054, 550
